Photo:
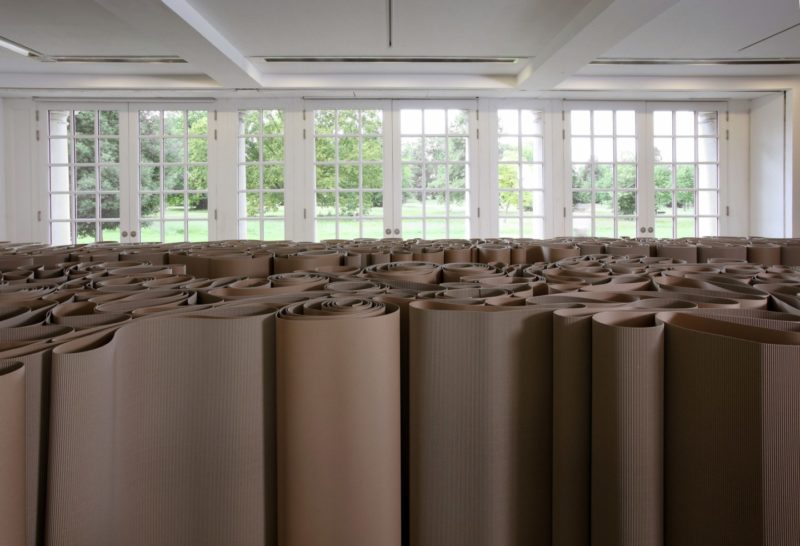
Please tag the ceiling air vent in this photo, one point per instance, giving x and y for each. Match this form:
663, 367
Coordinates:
695, 62
502, 60
147, 59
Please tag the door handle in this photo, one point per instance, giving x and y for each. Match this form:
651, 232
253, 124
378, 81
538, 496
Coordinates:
124, 233
133, 233
396, 231
388, 231
650, 229
642, 229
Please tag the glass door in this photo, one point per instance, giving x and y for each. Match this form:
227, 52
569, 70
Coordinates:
686, 169
434, 164
172, 174
605, 191
350, 169
84, 174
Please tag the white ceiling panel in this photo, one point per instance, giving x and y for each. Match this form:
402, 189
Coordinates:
72, 27
716, 28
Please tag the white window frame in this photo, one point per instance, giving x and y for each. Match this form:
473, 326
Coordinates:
644, 197
722, 109
41, 191
299, 159
133, 126
475, 178
309, 162
552, 161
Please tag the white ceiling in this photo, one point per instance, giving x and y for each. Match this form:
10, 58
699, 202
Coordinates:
225, 42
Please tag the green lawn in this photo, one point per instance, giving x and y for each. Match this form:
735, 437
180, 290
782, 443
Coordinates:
174, 228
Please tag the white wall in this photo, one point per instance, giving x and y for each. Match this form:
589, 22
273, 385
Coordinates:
20, 159
767, 180
792, 168
737, 171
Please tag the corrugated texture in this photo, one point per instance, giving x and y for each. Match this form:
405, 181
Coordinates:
627, 430
339, 430
572, 425
164, 434
480, 426
732, 434
12, 454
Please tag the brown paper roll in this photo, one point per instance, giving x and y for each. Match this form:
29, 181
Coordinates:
479, 474
627, 429
733, 432
338, 388
572, 422
163, 434
12, 453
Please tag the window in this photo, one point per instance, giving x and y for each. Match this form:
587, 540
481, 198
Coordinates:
349, 169
520, 177
173, 175
261, 198
686, 172
434, 161
603, 166
84, 175
348, 173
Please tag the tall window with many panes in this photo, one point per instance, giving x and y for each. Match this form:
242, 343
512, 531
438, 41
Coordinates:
348, 173
686, 172
262, 164
602, 148
84, 175
520, 177
173, 175
434, 157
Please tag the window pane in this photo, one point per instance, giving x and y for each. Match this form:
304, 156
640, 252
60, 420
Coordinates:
173, 179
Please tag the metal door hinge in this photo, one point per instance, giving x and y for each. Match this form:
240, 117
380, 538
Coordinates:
727, 116
304, 114
477, 115
304, 134
215, 214
37, 115
304, 214
477, 133
563, 134
727, 210
565, 212
727, 134
215, 134
37, 134
479, 212
38, 216
215, 115
563, 115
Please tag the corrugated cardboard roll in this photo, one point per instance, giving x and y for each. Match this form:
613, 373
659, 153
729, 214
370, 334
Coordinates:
339, 439
627, 429
170, 440
572, 426
733, 432
711, 250
764, 253
479, 473
12, 454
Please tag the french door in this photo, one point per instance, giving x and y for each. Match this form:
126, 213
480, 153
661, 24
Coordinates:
390, 169
126, 172
639, 169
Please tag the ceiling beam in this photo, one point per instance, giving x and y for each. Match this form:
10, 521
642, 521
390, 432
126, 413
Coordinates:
597, 28
183, 31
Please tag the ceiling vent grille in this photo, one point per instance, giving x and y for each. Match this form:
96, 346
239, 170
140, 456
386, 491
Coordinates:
501, 60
